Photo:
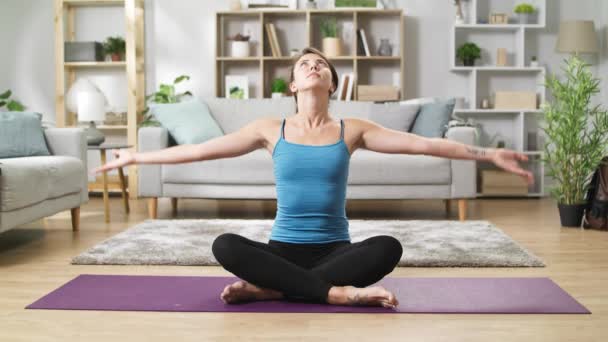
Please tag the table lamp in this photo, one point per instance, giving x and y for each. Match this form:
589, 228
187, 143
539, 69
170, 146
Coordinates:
577, 36
91, 108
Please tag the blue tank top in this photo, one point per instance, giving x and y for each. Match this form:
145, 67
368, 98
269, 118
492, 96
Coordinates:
311, 191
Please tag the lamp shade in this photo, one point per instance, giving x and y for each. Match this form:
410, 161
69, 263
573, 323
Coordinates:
91, 106
577, 36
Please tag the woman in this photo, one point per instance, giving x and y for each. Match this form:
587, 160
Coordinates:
309, 255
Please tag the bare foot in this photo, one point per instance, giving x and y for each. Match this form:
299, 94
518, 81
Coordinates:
242, 291
369, 296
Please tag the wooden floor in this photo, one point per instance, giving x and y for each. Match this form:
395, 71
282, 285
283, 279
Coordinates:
34, 260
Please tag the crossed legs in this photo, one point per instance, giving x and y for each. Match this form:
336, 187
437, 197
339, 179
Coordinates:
335, 273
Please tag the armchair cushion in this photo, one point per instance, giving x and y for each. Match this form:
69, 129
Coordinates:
21, 135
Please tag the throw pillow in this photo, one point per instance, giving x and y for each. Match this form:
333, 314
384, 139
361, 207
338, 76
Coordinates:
21, 135
393, 115
188, 122
432, 118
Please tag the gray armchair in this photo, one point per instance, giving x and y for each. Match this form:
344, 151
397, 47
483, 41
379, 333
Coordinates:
35, 187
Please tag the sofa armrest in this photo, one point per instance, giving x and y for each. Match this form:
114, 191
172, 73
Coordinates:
464, 172
149, 175
70, 142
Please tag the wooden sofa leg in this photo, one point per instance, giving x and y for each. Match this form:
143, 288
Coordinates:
152, 207
174, 206
462, 209
448, 207
75, 213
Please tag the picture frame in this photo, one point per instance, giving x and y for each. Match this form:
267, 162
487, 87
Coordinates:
237, 87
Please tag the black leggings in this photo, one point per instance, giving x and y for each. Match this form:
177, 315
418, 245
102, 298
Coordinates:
306, 272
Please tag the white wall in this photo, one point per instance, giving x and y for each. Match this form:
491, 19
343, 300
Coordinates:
180, 40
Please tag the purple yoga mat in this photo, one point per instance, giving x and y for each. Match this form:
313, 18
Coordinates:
415, 295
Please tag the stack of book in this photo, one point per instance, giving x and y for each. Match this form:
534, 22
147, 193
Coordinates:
496, 182
273, 42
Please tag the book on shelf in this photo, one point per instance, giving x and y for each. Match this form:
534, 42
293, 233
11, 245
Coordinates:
340, 94
362, 46
350, 86
270, 40
275, 40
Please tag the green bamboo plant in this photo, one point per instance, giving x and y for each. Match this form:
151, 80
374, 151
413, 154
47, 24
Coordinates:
577, 131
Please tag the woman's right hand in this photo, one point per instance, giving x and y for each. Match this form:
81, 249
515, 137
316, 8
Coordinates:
123, 158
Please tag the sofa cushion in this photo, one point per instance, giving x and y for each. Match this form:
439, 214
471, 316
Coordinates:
368, 167
21, 135
433, 118
188, 122
30, 180
393, 115
250, 168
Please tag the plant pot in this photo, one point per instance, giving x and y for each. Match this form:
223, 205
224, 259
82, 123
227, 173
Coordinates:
571, 215
524, 18
276, 95
332, 46
240, 49
468, 62
115, 57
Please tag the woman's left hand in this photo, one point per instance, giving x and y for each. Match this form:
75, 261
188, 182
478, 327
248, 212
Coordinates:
508, 160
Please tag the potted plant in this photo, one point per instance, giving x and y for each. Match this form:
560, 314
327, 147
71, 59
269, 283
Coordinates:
331, 42
11, 104
115, 47
468, 53
577, 137
524, 12
239, 46
278, 88
533, 61
165, 94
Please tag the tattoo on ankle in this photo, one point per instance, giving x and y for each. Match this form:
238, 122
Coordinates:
477, 152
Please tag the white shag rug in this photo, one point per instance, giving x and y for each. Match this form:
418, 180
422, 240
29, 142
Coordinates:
425, 243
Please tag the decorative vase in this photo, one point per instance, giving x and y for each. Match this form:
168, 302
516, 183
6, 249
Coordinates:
311, 4
332, 46
240, 48
571, 215
385, 48
277, 95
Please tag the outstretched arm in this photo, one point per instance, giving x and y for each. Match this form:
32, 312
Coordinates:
243, 141
380, 139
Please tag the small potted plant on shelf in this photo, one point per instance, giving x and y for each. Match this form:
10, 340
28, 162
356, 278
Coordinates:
577, 138
468, 53
115, 47
239, 46
11, 104
524, 12
331, 42
278, 88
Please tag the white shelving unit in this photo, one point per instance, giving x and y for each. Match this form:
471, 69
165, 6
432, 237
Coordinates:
485, 78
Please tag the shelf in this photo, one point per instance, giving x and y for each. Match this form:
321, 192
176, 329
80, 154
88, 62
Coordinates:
490, 111
94, 2
498, 26
348, 10
239, 59
111, 127
95, 64
497, 68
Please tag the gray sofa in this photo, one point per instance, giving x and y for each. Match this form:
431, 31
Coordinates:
372, 175
35, 187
